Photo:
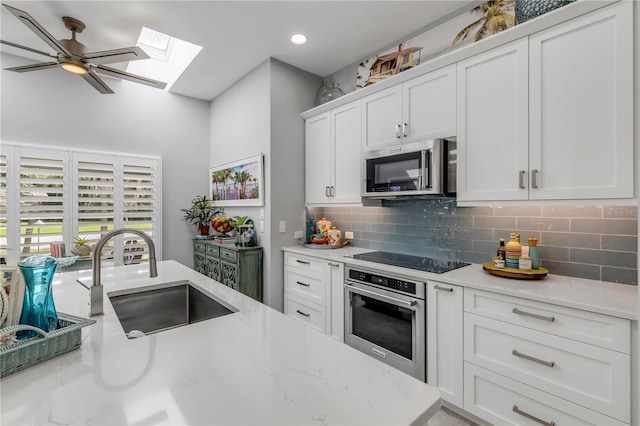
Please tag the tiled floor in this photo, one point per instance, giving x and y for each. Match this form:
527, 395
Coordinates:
446, 417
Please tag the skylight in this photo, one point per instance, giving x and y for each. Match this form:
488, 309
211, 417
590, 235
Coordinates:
169, 56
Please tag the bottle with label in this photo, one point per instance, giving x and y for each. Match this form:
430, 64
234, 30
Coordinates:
533, 253
513, 251
524, 263
500, 255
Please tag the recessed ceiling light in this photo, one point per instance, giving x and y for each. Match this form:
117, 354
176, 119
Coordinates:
298, 39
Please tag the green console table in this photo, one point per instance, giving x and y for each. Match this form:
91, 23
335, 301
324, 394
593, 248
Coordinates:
237, 267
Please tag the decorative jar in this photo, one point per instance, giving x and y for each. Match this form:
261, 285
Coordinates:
529, 9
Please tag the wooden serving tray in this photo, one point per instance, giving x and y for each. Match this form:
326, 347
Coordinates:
534, 274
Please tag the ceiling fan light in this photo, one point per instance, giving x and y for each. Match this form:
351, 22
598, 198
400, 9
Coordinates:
74, 68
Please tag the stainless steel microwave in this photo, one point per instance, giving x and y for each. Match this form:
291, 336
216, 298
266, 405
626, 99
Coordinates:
426, 168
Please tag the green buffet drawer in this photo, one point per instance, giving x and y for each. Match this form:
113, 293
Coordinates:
228, 254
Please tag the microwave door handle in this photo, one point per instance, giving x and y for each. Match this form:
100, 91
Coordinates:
424, 158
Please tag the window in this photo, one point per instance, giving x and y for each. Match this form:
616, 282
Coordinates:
50, 195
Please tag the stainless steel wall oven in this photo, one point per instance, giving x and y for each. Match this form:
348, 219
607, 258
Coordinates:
385, 318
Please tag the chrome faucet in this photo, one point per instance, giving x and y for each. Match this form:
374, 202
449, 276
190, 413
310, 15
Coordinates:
96, 291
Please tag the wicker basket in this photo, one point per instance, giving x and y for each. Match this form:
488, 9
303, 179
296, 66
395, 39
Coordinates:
34, 350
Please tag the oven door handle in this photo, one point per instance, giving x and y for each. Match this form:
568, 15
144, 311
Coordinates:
379, 296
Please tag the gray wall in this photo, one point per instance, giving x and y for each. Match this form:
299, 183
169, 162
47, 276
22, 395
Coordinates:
261, 114
591, 242
54, 108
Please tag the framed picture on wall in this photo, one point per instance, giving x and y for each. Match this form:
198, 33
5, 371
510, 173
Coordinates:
238, 183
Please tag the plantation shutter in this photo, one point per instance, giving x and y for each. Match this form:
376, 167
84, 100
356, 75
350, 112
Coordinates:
139, 205
3, 206
50, 195
94, 197
43, 215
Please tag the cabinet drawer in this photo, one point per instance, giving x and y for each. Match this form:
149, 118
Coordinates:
305, 284
229, 255
588, 327
584, 374
304, 262
493, 397
213, 250
303, 310
199, 247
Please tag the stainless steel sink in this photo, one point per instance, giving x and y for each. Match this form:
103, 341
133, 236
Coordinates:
162, 307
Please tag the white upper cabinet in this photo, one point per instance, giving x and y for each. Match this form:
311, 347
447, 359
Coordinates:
332, 156
418, 109
581, 107
317, 158
346, 142
550, 116
493, 124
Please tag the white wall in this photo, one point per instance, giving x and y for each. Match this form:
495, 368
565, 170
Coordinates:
51, 107
261, 113
292, 91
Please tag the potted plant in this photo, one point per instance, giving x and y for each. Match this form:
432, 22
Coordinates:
200, 213
81, 247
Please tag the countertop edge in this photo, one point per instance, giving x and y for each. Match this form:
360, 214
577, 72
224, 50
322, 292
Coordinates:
473, 276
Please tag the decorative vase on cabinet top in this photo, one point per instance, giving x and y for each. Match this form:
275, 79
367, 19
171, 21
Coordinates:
529, 9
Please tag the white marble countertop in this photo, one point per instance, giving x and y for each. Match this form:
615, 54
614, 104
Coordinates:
255, 366
619, 300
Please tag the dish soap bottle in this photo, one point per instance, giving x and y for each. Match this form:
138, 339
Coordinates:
513, 251
533, 253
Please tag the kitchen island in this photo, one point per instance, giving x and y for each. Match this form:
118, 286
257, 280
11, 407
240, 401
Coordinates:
255, 366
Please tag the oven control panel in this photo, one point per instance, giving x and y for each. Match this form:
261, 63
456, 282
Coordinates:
403, 286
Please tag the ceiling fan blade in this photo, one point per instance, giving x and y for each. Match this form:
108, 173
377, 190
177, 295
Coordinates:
38, 30
96, 82
19, 46
116, 55
112, 72
34, 67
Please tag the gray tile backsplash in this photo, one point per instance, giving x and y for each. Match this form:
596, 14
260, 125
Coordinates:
592, 242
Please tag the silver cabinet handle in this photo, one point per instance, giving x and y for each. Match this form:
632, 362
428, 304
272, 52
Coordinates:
530, 358
327, 191
404, 129
303, 313
303, 284
534, 173
332, 192
335, 265
304, 262
532, 315
437, 287
532, 417
379, 296
521, 179
398, 136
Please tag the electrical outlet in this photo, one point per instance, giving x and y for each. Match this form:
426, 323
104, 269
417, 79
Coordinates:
262, 226
283, 226
348, 235
298, 234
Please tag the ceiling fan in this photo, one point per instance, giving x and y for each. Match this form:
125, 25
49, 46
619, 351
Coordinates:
73, 57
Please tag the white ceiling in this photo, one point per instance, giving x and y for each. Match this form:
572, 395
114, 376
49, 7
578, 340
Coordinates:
236, 35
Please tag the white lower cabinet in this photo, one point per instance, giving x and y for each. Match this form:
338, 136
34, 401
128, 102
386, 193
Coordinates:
313, 292
553, 364
503, 401
444, 340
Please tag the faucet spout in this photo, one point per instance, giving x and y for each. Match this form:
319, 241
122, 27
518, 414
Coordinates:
96, 291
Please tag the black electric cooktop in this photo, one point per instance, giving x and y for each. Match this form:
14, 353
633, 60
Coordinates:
426, 264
